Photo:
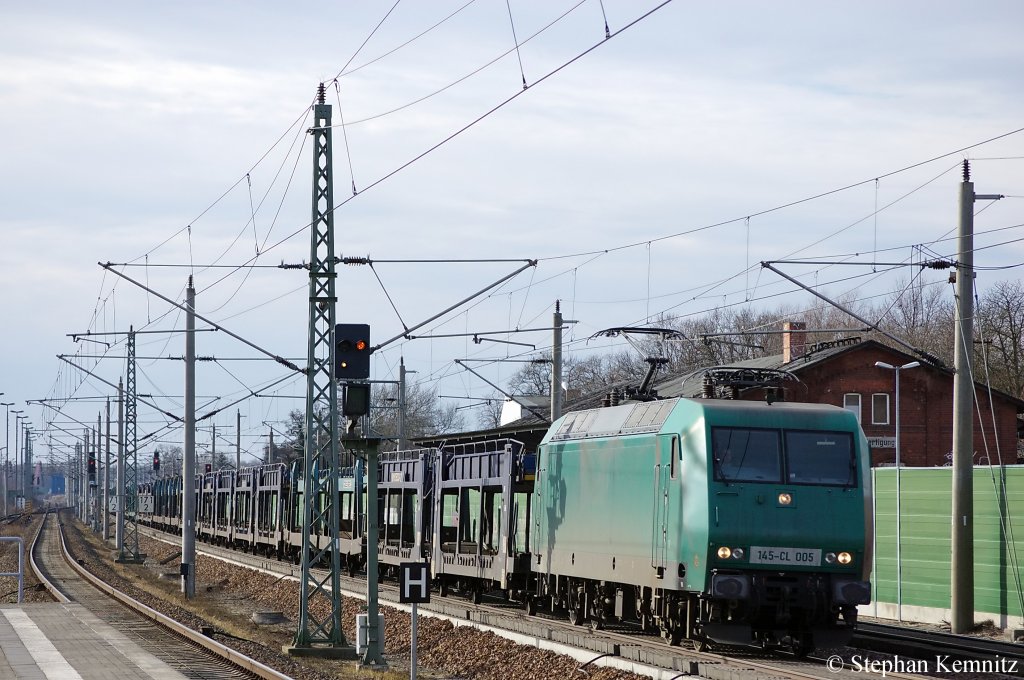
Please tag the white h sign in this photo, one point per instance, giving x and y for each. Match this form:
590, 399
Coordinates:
413, 582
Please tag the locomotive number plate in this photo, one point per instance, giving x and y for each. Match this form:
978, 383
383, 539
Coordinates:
797, 557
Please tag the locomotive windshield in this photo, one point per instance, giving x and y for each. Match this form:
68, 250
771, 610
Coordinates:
743, 455
756, 455
820, 458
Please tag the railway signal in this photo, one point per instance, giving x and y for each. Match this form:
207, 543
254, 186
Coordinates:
156, 461
352, 351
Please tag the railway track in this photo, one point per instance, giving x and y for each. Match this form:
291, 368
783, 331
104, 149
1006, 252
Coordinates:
178, 649
622, 647
934, 644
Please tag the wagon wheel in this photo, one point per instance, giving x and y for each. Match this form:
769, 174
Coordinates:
530, 605
577, 616
476, 595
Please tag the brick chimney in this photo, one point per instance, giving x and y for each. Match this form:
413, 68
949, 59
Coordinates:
794, 340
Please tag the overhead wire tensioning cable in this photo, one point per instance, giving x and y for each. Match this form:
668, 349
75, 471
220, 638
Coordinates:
344, 136
515, 40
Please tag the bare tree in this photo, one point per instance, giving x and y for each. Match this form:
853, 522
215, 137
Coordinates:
921, 315
489, 415
424, 413
1001, 315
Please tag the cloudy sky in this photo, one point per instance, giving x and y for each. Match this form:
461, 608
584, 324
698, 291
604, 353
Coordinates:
169, 137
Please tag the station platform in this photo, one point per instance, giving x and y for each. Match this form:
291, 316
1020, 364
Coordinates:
50, 641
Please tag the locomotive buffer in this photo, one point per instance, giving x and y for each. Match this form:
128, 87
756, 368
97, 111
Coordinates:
413, 588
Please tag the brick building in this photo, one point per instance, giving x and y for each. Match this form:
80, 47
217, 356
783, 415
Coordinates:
843, 373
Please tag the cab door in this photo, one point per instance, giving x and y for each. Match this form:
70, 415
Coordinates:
666, 469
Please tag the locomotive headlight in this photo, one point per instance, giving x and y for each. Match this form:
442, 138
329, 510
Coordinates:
724, 553
845, 558
785, 499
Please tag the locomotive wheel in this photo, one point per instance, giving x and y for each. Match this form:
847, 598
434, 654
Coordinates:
700, 644
530, 605
802, 645
442, 588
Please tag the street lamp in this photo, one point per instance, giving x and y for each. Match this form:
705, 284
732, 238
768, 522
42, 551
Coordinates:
7, 447
899, 516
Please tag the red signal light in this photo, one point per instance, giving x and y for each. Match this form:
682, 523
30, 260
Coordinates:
360, 345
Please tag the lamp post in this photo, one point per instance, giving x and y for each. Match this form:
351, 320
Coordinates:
899, 516
7, 448
17, 426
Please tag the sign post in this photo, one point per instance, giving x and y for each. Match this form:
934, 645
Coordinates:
413, 588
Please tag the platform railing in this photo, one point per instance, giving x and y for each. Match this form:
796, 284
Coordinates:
21, 565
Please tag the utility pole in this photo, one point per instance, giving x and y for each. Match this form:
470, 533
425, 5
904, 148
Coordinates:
83, 479
188, 475
7, 450
238, 440
270, 447
17, 436
98, 511
76, 486
27, 465
106, 481
962, 571
319, 630
88, 492
130, 538
213, 448
556, 364
403, 443
119, 526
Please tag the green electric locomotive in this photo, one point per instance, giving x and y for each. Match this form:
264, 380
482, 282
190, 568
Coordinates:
718, 521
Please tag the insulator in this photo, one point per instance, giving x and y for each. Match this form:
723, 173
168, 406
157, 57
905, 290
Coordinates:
321, 94
967, 170
708, 388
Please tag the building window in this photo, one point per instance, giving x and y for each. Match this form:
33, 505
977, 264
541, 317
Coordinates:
879, 409
851, 402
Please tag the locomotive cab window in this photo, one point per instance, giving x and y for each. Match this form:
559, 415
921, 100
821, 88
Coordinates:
746, 455
820, 458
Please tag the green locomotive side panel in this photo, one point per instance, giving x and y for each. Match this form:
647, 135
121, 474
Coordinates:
925, 530
594, 494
